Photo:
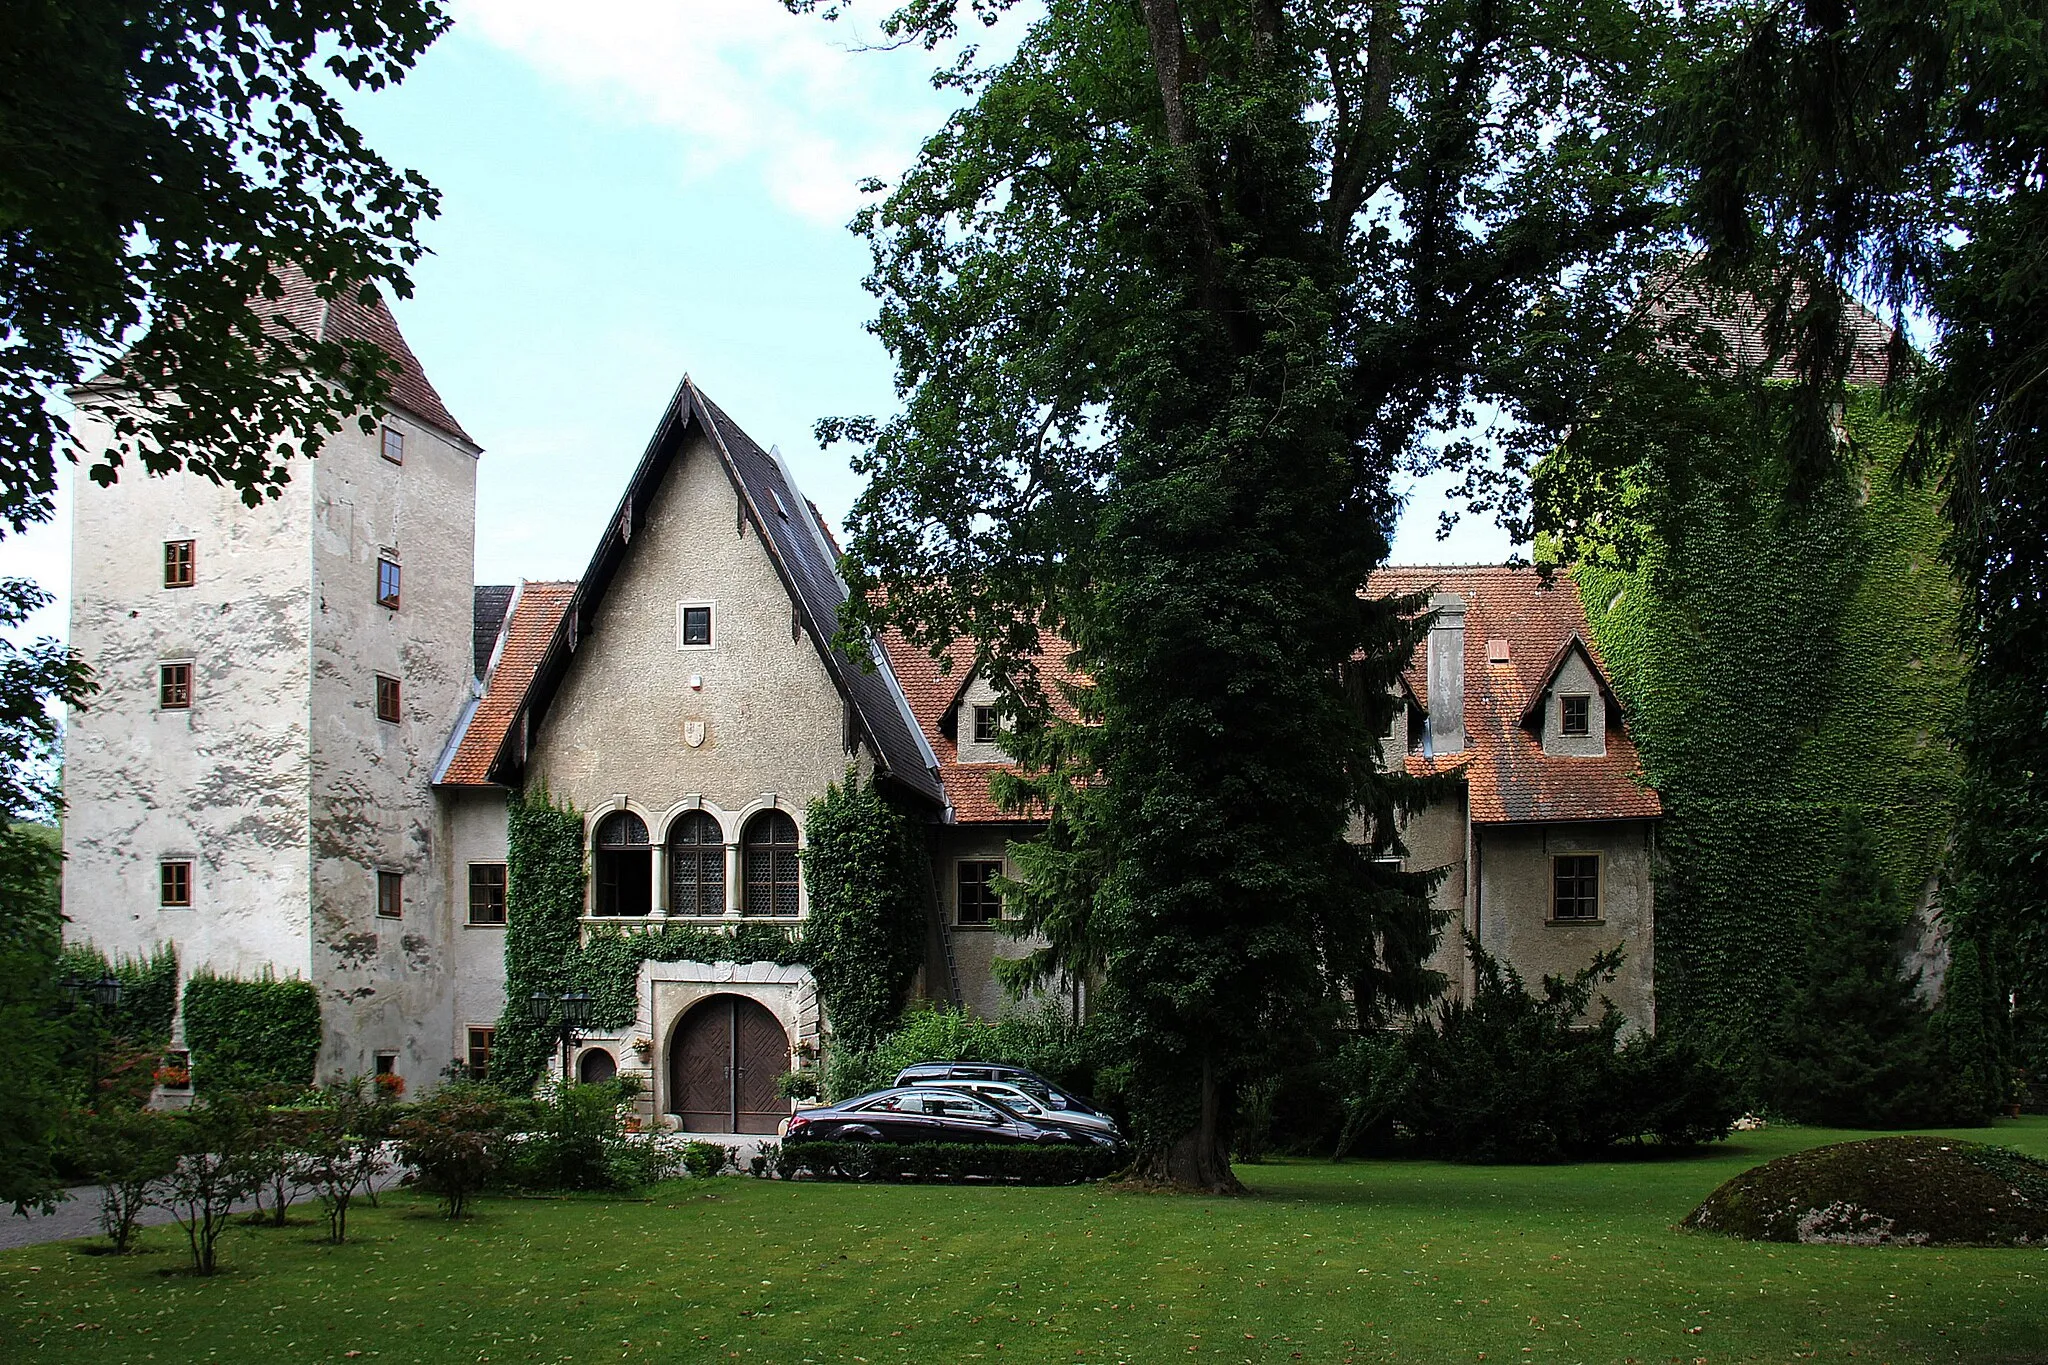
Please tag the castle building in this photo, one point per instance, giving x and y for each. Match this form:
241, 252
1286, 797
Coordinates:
312, 720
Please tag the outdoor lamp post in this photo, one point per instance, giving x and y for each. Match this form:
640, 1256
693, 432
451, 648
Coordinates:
569, 1015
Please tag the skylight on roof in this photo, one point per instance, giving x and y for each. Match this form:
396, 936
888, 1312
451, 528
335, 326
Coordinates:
780, 509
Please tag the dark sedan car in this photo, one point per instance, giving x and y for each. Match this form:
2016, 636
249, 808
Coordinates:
918, 1114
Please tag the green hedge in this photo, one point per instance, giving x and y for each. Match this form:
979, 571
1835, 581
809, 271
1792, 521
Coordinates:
149, 989
543, 902
868, 872
1016, 1165
251, 1033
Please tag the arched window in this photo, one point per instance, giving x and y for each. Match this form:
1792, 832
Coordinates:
696, 866
624, 866
596, 1066
769, 847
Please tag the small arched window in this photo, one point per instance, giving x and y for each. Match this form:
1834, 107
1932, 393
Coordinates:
624, 866
769, 847
696, 866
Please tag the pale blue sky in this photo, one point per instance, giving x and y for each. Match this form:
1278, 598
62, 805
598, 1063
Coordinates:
632, 190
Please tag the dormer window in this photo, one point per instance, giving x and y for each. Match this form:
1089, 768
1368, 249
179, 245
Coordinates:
1575, 716
985, 728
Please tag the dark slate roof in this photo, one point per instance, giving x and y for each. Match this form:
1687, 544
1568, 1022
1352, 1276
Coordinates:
1739, 319
796, 543
492, 601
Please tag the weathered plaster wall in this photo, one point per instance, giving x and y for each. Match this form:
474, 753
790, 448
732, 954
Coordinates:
1435, 840
1514, 905
976, 947
978, 693
473, 831
773, 722
1574, 679
224, 783
384, 982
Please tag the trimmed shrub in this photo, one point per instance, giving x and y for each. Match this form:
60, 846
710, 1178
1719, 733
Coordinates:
915, 1161
576, 1139
251, 1034
1913, 1190
707, 1159
455, 1141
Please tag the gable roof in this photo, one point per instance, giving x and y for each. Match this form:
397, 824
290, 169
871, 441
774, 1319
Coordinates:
355, 320
1574, 644
1509, 779
797, 545
530, 621
934, 686
1740, 319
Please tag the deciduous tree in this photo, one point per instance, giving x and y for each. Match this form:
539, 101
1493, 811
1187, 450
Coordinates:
1171, 301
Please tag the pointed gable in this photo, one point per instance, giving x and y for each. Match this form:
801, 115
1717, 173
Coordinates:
796, 544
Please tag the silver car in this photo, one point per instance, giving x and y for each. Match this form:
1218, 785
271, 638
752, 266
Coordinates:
1027, 1105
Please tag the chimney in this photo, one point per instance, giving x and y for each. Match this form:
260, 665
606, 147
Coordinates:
1447, 675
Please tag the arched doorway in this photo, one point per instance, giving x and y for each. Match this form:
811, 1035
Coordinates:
596, 1066
723, 1062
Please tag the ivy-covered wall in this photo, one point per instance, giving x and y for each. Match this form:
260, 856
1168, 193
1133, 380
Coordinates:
865, 917
149, 989
1778, 665
251, 1033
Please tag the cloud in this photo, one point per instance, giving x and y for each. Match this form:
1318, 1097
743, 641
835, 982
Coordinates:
744, 82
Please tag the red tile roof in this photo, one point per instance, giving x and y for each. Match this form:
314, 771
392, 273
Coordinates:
536, 612
931, 693
1739, 320
1509, 777
372, 322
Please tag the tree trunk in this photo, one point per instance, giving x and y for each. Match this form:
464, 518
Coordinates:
1197, 1161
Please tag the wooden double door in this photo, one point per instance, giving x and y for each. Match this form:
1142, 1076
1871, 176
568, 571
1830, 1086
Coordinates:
723, 1062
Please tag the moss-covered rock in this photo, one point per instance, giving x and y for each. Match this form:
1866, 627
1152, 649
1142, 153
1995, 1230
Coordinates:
1914, 1191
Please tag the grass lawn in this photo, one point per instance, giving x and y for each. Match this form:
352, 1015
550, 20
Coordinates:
1365, 1261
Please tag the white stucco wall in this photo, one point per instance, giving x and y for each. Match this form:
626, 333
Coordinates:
225, 783
384, 982
1574, 679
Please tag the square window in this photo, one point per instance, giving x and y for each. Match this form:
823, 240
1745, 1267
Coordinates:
978, 901
387, 698
394, 446
387, 1063
693, 624
174, 687
387, 582
178, 564
486, 893
174, 884
1575, 887
480, 1040
1496, 651
985, 727
390, 895
1575, 715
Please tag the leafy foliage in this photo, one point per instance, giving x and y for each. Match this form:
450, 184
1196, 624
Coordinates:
455, 1141
1895, 148
251, 1034
218, 1166
1018, 1164
161, 159
127, 1151
341, 1152
1046, 1041
1856, 1047
543, 901
1170, 303
866, 864
1513, 1076
1782, 661
608, 964
574, 1138
149, 989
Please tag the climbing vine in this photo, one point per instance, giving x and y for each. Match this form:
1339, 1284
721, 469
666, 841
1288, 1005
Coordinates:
867, 871
1781, 664
251, 1033
608, 967
543, 902
149, 989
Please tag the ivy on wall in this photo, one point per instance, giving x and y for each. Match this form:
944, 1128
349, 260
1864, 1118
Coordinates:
1781, 664
543, 901
149, 989
863, 939
866, 864
251, 1033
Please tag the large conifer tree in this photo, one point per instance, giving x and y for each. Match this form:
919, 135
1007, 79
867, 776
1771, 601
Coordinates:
1172, 301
